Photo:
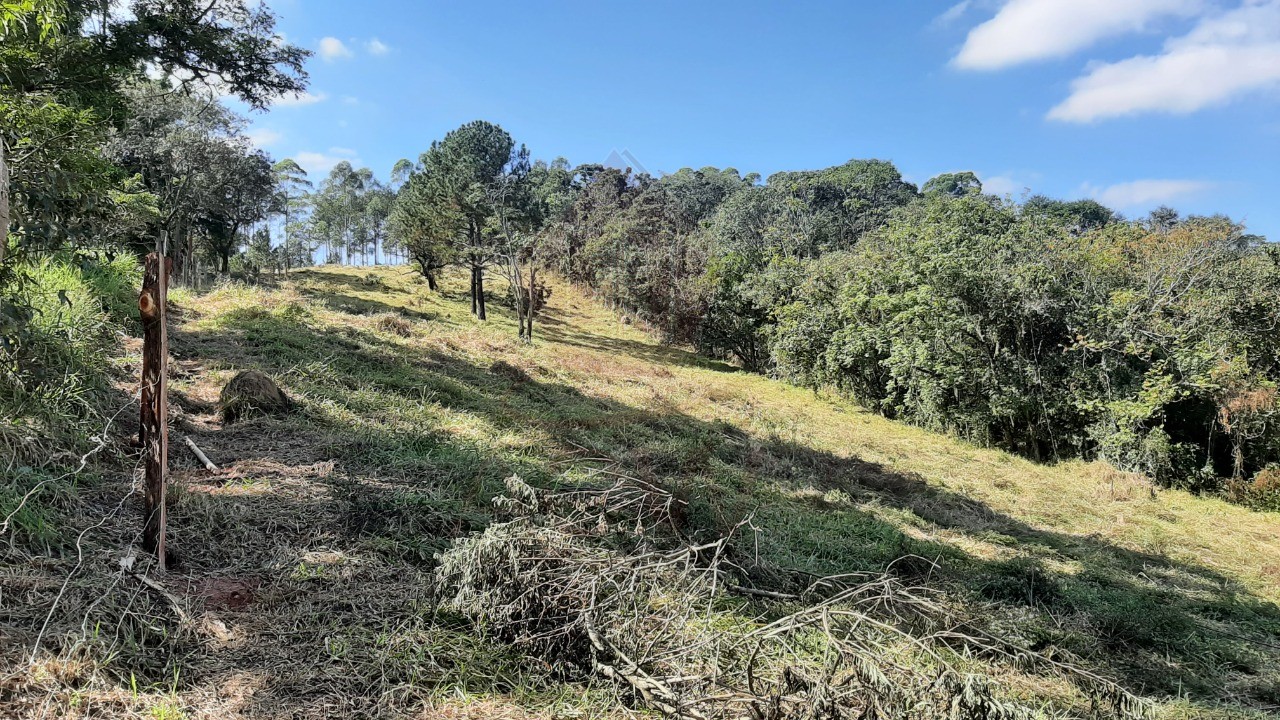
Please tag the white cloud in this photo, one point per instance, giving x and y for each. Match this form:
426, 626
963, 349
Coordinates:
331, 48
377, 47
304, 98
350, 100
1223, 57
316, 163
263, 137
343, 151
1143, 194
1002, 185
952, 13
1026, 30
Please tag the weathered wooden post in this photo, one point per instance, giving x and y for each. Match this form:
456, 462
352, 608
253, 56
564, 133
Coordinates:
155, 400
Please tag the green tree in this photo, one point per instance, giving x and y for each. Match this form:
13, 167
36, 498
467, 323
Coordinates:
953, 184
291, 189
64, 70
450, 199
239, 191
337, 208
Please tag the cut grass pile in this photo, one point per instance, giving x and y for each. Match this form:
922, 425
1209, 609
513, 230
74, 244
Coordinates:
409, 417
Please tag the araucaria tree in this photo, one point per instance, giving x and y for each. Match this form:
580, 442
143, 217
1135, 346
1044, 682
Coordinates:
448, 203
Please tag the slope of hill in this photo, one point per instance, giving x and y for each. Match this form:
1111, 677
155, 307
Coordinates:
304, 587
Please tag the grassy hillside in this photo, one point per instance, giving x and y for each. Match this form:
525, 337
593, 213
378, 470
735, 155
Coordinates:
304, 583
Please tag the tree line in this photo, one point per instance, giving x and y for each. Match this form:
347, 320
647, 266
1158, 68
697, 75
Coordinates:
1055, 329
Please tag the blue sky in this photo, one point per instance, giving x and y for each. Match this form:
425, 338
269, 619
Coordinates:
1133, 102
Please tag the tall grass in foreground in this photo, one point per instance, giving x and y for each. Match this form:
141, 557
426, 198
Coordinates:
63, 325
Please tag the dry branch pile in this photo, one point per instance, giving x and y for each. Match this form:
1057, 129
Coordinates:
602, 582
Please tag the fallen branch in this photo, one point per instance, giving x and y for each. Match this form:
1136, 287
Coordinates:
127, 563
208, 464
762, 593
643, 612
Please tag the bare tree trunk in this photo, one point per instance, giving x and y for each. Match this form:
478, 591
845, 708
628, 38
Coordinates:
4, 203
533, 302
480, 292
189, 241
288, 260
474, 306
1237, 456
155, 402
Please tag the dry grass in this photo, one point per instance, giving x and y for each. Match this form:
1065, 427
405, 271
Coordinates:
330, 518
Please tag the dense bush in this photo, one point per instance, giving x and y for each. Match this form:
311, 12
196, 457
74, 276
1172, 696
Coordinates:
1054, 329
1149, 347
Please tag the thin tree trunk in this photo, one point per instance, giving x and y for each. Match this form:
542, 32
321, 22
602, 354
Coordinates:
475, 308
155, 402
517, 293
4, 203
533, 301
431, 282
287, 259
480, 292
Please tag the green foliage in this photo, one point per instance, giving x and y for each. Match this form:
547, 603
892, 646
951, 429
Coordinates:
65, 75
464, 202
953, 184
55, 384
1054, 329
969, 316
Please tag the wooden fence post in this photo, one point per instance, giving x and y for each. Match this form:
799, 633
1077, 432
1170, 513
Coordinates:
155, 400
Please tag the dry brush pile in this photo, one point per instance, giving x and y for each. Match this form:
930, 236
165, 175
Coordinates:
604, 583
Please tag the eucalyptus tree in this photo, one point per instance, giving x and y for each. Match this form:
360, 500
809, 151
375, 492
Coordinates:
291, 188
377, 202
336, 209
400, 173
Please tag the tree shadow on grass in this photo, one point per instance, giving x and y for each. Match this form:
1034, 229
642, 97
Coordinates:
1159, 625
654, 353
1166, 626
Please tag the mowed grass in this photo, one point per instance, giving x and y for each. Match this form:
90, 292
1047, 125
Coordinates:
417, 412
